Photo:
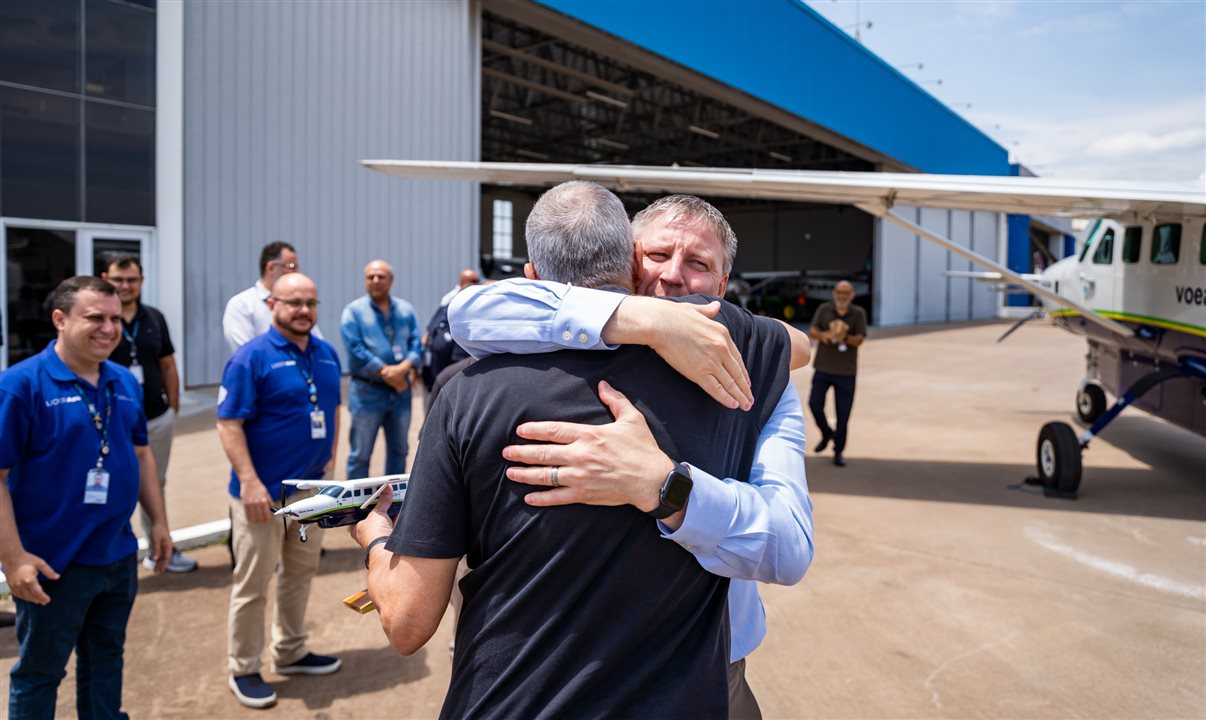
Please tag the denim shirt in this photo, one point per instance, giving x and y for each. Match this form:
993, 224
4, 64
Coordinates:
364, 330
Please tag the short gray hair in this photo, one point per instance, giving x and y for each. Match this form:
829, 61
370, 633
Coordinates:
578, 232
688, 210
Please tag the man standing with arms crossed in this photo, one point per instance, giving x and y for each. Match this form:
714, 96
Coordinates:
760, 530
381, 334
145, 348
278, 417
73, 463
840, 327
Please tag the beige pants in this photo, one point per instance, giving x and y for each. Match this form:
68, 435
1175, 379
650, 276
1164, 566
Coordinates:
262, 550
159, 438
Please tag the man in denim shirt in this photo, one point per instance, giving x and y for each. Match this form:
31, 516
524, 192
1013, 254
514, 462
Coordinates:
381, 335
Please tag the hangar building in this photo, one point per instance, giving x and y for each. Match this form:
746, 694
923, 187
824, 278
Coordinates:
192, 133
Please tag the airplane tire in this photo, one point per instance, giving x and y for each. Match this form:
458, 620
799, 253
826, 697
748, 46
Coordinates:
1090, 403
1058, 457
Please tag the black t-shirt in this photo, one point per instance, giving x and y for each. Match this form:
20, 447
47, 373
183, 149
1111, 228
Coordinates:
153, 343
580, 611
838, 358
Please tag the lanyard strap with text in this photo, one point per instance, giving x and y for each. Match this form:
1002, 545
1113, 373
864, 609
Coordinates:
131, 335
308, 377
99, 421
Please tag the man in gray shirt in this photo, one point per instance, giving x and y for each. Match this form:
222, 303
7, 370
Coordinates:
840, 327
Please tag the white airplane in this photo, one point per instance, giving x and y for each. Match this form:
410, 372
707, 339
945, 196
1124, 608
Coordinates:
1137, 291
342, 502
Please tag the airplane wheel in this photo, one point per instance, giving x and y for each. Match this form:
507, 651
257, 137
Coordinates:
1090, 403
1059, 457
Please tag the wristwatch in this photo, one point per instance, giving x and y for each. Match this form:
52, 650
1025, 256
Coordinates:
675, 491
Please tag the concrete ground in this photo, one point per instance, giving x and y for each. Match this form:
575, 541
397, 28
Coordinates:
941, 588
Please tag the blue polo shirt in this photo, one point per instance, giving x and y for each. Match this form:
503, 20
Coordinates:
264, 385
48, 443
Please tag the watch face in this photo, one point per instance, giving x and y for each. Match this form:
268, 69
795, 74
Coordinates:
677, 491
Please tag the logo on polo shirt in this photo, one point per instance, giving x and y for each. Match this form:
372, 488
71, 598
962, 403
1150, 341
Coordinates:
282, 363
63, 400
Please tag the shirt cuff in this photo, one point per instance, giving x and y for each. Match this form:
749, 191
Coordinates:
373, 367
581, 315
709, 509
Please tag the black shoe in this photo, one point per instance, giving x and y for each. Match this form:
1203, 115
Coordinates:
823, 444
311, 664
252, 691
839, 460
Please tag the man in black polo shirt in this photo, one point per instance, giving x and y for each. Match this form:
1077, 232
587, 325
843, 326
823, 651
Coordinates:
145, 347
572, 611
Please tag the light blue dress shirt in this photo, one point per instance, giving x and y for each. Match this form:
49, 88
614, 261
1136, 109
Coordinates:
760, 530
370, 348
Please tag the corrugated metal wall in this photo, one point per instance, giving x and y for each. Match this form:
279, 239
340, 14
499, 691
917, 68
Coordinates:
910, 286
282, 99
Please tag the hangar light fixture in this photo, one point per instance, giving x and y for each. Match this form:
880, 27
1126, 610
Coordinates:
704, 131
606, 99
508, 116
779, 156
531, 154
612, 144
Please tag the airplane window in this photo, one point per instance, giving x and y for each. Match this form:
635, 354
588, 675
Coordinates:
1166, 244
331, 491
1089, 240
1132, 245
1105, 249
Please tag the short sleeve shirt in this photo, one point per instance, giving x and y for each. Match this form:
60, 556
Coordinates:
265, 385
152, 342
48, 442
830, 357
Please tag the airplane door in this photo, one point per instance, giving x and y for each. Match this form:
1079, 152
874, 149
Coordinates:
1098, 269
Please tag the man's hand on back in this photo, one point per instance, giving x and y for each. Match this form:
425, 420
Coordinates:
614, 464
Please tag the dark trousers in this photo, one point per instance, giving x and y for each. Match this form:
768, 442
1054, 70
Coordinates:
88, 611
843, 399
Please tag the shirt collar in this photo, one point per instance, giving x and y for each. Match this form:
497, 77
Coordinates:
261, 292
282, 342
58, 370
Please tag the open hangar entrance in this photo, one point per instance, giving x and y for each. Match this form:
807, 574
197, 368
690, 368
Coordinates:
556, 90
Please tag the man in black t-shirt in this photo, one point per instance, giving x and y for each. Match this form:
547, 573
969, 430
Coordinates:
840, 327
578, 610
145, 347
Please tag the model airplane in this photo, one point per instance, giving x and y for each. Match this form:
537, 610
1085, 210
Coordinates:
1137, 291
343, 502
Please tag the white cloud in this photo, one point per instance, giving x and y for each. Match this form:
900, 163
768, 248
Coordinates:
1138, 142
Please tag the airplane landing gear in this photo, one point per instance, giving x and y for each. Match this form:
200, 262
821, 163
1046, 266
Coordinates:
1058, 459
301, 531
1090, 402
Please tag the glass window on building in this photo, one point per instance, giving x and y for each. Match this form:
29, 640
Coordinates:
119, 52
40, 43
1104, 255
1132, 245
502, 228
1166, 244
39, 155
120, 160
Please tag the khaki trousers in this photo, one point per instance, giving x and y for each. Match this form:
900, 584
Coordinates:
262, 550
160, 432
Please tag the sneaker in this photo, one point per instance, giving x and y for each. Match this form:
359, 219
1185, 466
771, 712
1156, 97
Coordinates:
178, 564
252, 691
311, 664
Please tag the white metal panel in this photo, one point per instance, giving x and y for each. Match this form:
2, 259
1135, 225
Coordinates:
959, 289
896, 272
281, 102
985, 241
931, 264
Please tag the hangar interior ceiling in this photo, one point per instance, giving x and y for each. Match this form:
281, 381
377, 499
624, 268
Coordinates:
547, 99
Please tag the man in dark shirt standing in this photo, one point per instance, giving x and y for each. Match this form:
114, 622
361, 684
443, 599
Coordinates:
578, 610
840, 327
145, 347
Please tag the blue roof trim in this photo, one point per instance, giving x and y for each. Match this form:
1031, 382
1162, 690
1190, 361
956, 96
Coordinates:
786, 54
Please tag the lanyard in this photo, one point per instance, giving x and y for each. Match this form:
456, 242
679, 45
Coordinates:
100, 423
307, 376
131, 335
387, 323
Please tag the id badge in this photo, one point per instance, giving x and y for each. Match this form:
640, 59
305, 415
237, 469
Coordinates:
96, 489
136, 371
397, 353
842, 347
318, 425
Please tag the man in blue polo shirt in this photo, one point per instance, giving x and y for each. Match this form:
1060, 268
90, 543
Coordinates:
278, 417
73, 463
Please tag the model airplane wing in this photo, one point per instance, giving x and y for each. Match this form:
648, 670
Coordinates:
875, 193
308, 484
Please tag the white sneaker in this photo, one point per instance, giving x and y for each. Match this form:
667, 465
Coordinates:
178, 564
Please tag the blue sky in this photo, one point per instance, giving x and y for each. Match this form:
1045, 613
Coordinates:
1104, 90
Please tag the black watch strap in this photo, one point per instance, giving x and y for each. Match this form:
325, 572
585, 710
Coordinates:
675, 490
369, 550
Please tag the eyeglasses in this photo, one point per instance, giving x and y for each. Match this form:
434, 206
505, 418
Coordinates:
296, 304
288, 266
124, 281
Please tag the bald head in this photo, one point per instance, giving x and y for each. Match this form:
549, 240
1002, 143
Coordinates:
468, 277
843, 294
378, 279
294, 305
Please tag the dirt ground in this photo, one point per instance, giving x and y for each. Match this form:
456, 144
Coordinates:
941, 588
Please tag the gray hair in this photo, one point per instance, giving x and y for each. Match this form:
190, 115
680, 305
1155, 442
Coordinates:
578, 232
684, 210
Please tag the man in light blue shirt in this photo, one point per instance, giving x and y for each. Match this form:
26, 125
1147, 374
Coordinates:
759, 530
381, 335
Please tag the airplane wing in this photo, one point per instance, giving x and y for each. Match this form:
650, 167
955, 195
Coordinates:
874, 193
991, 277
308, 484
